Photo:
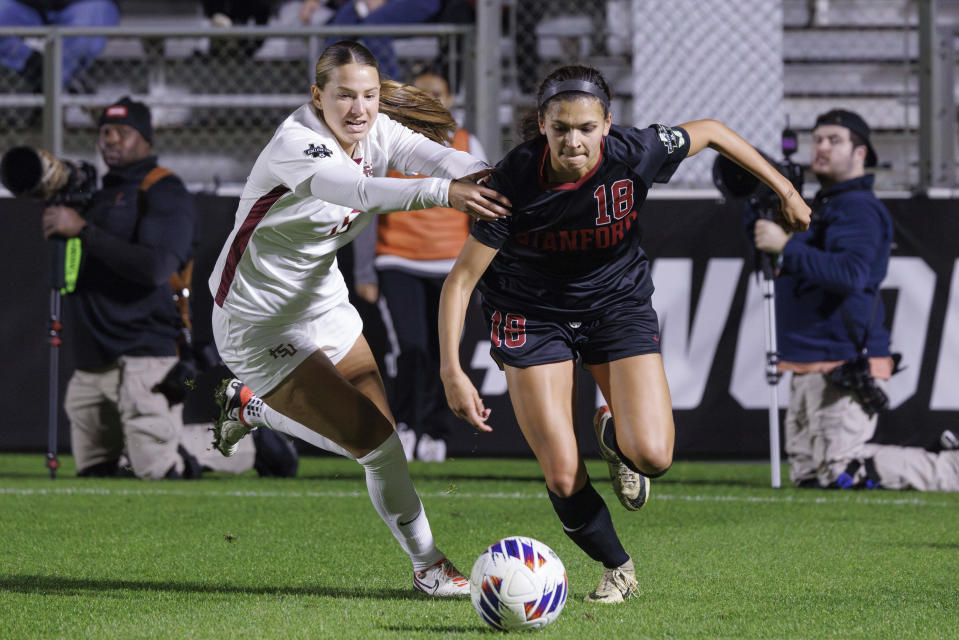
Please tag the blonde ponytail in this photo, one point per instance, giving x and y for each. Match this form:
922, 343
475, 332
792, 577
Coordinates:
417, 110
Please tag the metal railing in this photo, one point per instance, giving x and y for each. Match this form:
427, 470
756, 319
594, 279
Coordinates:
213, 115
265, 103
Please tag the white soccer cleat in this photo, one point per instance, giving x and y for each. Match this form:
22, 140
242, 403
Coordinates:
441, 579
631, 488
228, 430
616, 585
948, 440
407, 439
430, 449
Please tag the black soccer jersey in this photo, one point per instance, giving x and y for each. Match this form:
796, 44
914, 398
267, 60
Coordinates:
570, 251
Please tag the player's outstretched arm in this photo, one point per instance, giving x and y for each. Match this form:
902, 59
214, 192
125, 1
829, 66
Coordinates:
461, 395
715, 135
470, 195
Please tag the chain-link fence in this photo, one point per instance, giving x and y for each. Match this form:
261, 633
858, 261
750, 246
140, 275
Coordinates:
217, 95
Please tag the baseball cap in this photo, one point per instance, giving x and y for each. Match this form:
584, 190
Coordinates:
129, 112
854, 122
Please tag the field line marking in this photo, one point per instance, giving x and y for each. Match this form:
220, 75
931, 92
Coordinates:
660, 495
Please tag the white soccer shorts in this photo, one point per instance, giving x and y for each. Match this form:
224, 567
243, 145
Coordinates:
262, 356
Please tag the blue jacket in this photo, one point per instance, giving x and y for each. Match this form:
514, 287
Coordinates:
837, 264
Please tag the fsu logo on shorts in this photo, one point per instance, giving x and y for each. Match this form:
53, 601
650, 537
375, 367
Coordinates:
282, 351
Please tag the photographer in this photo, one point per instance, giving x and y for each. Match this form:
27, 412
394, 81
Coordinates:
136, 232
829, 319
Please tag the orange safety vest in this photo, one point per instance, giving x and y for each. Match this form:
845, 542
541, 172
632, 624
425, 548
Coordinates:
427, 234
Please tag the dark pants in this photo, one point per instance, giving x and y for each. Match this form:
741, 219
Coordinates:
415, 391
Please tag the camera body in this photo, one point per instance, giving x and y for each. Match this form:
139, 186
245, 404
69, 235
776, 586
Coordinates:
36, 173
855, 376
735, 182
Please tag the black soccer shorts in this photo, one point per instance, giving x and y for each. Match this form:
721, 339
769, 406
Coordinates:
628, 329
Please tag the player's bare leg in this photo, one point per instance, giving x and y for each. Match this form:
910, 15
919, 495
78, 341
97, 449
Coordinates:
543, 401
346, 403
638, 395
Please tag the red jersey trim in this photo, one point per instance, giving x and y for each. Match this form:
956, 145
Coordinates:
242, 239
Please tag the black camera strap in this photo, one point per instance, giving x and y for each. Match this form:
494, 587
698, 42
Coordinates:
181, 280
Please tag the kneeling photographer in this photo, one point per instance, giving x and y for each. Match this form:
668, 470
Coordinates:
829, 318
135, 233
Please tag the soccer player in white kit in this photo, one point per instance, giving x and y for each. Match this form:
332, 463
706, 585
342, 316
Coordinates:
282, 320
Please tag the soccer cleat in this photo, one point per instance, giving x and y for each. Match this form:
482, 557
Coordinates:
430, 449
616, 585
631, 488
228, 428
441, 579
407, 439
948, 440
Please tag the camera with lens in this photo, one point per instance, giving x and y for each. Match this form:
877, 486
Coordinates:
37, 173
181, 378
735, 182
855, 376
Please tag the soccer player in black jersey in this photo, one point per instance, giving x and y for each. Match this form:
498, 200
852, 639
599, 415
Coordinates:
564, 278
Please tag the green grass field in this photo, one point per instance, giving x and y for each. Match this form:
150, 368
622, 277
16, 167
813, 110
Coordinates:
719, 553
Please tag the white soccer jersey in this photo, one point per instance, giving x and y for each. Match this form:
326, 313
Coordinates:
305, 198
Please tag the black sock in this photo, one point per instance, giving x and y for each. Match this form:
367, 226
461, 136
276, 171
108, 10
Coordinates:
587, 522
609, 439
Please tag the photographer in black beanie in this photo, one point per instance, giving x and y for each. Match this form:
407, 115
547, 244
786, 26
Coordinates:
136, 233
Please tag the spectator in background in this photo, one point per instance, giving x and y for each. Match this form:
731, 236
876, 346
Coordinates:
78, 53
135, 234
228, 13
414, 252
385, 12
829, 318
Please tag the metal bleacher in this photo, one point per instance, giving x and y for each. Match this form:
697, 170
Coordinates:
214, 112
863, 55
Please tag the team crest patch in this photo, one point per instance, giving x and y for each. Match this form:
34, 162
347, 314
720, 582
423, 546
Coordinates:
321, 151
670, 138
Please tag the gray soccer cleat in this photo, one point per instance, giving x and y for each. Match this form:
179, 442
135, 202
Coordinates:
616, 585
631, 488
228, 430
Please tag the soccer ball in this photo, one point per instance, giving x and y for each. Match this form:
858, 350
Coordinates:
518, 583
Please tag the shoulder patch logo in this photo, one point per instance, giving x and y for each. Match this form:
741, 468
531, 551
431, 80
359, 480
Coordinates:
321, 151
670, 138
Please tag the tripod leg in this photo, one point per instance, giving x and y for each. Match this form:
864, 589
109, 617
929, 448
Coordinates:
774, 462
53, 401
772, 379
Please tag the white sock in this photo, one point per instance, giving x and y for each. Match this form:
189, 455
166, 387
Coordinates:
391, 491
257, 413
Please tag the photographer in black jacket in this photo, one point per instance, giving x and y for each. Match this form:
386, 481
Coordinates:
136, 233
